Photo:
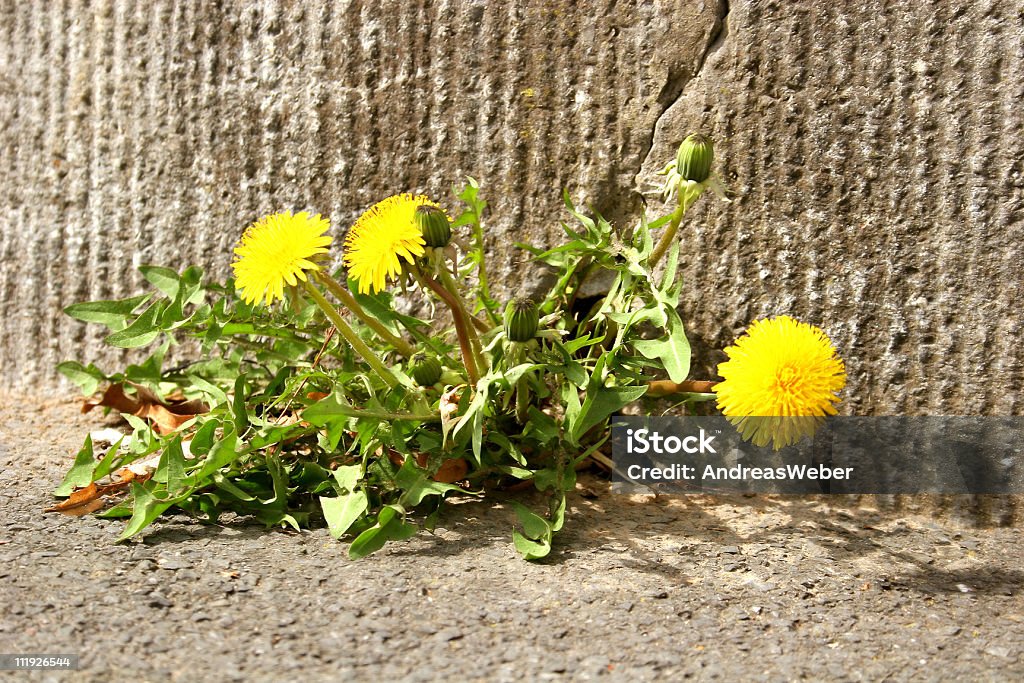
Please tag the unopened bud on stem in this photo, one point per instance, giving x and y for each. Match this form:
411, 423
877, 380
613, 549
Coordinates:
521, 320
435, 226
696, 154
426, 370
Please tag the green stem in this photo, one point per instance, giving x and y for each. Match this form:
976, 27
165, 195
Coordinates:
357, 344
667, 237
463, 328
686, 200
481, 273
387, 415
346, 298
522, 386
449, 284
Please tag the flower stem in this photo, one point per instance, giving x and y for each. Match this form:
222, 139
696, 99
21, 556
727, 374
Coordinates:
346, 298
350, 336
481, 272
686, 200
664, 387
463, 328
449, 284
522, 386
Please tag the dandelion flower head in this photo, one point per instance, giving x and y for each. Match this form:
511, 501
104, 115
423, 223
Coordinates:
781, 380
383, 235
278, 250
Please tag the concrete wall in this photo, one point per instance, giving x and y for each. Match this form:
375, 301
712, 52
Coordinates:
874, 150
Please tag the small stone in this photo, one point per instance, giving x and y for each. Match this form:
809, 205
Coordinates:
448, 635
157, 599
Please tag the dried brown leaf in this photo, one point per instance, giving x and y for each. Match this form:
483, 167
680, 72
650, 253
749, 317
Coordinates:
80, 502
167, 414
451, 471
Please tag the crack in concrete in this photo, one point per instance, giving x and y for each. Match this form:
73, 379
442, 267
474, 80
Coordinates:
675, 83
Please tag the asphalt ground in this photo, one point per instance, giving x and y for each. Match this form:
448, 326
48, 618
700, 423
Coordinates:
637, 588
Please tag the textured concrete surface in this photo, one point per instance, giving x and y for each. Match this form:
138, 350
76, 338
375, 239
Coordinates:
156, 132
876, 153
873, 151
873, 148
637, 589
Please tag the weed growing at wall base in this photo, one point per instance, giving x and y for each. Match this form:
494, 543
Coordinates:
316, 401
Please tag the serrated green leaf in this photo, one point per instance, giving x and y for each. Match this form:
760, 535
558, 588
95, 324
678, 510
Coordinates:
225, 484
530, 549
147, 507
389, 527
279, 477
574, 345
217, 395
534, 525
150, 371
341, 512
571, 401
517, 472
170, 469
203, 439
222, 454
542, 426
106, 464
417, 485
142, 331
191, 285
122, 509
166, 280
81, 471
559, 514
88, 378
673, 350
600, 403
347, 477
112, 313
512, 375
547, 478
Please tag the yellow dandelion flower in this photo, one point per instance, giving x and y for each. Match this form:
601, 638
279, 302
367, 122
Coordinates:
278, 250
385, 233
780, 381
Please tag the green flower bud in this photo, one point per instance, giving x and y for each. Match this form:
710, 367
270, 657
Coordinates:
426, 370
521, 320
434, 224
696, 154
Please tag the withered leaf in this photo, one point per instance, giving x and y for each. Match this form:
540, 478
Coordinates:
451, 471
91, 498
81, 502
167, 415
